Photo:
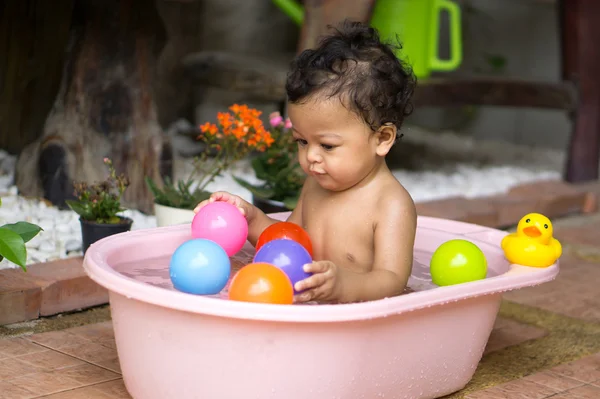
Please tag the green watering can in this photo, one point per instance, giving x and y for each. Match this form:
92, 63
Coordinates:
416, 23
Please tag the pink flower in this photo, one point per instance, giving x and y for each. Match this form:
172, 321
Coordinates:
288, 123
276, 121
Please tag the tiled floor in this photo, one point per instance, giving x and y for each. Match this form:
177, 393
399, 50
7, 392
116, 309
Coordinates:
575, 380
545, 344
79, 362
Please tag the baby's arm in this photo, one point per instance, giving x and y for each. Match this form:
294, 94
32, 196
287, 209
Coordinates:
394, 244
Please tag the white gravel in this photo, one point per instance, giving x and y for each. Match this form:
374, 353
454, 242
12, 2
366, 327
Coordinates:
505, 166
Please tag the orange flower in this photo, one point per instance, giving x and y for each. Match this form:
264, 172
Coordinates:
239, 131
226, 120
236, 132
269, 139
209, 128
236, 109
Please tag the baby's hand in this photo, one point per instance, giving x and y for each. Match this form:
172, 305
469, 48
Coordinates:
323, 285
223, 196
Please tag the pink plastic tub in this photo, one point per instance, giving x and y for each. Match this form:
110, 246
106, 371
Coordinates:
424, 344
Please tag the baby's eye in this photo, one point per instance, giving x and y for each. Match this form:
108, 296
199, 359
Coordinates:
300, 142
327, 147
527, 220
545, 226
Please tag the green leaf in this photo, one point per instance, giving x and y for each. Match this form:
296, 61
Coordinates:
184, 187
152, 186
242, 182
79, 208
262, 192
26, 230
259, 191
290, 202
286, 171
258, 164
12, 247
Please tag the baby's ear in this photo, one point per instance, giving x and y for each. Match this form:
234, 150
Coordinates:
386, 136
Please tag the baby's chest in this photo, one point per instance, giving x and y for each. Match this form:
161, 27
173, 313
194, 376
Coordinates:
340, 234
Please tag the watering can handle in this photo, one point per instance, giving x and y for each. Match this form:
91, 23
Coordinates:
455, 59
292, 9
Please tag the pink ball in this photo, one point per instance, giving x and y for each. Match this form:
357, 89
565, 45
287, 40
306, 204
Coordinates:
222, 223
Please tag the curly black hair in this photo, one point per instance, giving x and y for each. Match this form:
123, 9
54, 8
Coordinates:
355, 65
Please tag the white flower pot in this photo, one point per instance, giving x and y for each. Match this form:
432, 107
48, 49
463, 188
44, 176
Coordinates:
168, 216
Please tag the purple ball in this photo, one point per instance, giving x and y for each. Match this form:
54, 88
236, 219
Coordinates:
288, 255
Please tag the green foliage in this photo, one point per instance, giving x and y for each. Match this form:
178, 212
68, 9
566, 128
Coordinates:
236, 135
177, 195
278, 168
100, 202
281, 175
12, 241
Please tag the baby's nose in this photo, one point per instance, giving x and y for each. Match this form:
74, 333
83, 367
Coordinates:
312, 155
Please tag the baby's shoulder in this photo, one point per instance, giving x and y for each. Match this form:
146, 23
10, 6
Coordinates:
393, 199
390, 189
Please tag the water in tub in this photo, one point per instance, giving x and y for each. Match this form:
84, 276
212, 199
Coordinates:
155, 271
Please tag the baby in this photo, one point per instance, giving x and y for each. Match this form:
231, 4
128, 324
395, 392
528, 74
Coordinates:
347, 100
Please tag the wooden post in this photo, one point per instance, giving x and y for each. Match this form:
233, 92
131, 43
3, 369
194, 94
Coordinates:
33, 37
104, 108
580, 34
319, 14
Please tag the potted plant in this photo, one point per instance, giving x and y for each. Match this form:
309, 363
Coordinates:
13, 237
98, 206
174, 201
278, 169
235, 135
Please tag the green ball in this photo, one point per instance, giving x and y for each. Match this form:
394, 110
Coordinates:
456, 262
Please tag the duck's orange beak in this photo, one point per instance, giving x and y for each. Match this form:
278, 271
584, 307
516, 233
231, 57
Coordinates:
532, 231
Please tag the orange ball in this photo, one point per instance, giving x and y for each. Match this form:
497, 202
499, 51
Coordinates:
285, 230
262, 283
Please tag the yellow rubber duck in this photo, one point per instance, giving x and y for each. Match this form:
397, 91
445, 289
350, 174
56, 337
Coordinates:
532, 244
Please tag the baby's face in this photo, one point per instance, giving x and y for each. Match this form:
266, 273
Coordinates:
335, 146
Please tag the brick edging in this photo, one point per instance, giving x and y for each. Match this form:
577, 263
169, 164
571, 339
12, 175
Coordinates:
47, 289
553, 198
62, 285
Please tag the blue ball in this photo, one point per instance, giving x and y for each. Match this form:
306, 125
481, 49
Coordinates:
200, 267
